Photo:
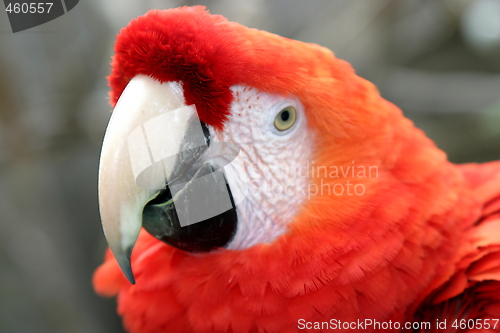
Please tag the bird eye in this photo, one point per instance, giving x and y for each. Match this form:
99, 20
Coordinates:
285, 118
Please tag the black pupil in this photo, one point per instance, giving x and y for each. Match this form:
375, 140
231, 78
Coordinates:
285, 115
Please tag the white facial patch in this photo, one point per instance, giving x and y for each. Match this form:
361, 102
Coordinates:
272, 164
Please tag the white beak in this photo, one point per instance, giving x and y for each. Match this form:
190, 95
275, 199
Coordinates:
143, 137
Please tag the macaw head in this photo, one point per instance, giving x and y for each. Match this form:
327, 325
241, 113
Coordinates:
260, 165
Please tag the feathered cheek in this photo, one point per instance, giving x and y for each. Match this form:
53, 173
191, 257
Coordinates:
272, 167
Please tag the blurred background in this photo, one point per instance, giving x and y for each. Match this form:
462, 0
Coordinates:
439, 60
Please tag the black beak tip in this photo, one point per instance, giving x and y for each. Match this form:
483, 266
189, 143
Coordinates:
129, 275
126, 265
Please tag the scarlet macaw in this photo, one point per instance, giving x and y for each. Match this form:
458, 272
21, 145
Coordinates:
373, 225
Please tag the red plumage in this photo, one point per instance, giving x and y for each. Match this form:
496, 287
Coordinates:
172, 46
423, 243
